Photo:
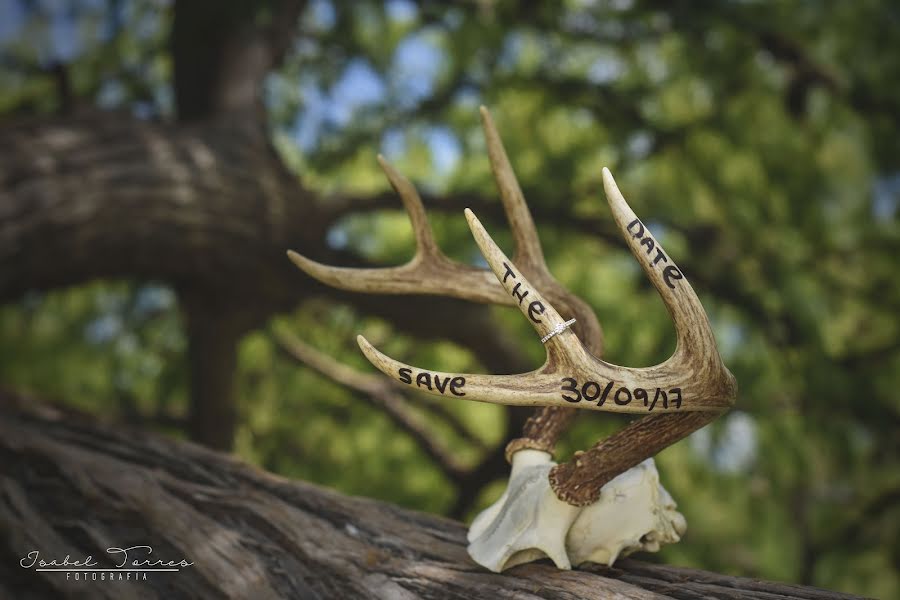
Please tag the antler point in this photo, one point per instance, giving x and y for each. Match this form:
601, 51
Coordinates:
608, 178
364, 345
385, 165
298, 259
473, 221
613, 194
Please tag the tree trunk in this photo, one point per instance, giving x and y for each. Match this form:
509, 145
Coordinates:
213, 334
69, 487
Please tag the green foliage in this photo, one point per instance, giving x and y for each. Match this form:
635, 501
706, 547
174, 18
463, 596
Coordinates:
760, 143
115, 349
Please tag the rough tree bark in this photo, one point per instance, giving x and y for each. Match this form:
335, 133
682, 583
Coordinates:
71, 487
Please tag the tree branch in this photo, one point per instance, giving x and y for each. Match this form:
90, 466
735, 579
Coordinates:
221, 56
368, 383
469, 482
71, 487
380, 395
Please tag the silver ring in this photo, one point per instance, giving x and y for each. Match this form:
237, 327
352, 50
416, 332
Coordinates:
557, 330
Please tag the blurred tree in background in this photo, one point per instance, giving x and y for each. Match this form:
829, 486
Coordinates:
158, 158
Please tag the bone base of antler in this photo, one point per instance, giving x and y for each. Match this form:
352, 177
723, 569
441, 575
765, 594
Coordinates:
634, 512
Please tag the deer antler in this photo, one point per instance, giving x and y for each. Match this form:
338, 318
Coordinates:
607, 501
431, 272
683, 393
693, 379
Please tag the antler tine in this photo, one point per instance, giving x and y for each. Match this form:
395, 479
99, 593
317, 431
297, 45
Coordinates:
540, 313
528, 251
579, 482
428, 272
692, 329
425, 244
542, 429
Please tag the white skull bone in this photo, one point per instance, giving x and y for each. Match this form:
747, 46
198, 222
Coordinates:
634, 512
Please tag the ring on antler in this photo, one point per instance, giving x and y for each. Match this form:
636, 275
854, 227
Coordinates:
557, 330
